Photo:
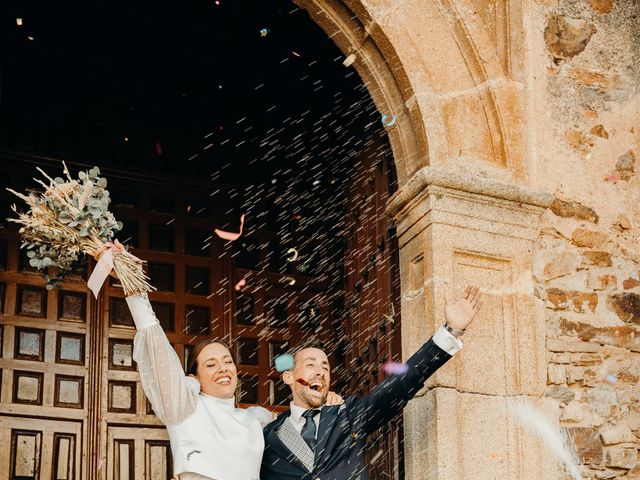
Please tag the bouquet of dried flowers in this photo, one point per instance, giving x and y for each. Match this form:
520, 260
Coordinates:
72, 218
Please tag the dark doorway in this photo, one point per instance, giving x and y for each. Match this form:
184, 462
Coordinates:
199, 112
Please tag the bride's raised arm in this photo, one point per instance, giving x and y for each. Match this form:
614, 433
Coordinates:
172, 394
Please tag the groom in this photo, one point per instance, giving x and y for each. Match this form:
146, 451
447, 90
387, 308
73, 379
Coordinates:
312, 441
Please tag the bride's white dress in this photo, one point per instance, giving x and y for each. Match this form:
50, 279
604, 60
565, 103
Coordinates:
210, 437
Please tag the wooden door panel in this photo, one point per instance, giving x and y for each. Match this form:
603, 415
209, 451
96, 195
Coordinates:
135, 453
40, 449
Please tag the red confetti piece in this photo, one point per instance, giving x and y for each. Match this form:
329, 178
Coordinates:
240, 284
159, 148
230, 235
612, 178
395, 368
303, 382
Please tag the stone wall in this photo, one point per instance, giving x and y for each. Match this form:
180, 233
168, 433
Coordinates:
587, 257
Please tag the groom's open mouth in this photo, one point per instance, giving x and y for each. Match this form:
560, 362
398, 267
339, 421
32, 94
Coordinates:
315, 386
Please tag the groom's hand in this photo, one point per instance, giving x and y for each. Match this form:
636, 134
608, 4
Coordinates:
334, 399
460, 313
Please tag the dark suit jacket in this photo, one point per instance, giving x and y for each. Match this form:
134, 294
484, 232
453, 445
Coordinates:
343, 430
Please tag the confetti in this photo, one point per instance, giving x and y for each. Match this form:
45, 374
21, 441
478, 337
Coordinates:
391, 123
610, 379
230, 235
264, 32
284, 362
375, 458
614, 178
159, 147
238, 286
395, 368
494, 456
19, 22
303, 382
349, 60
295, 53
294, 255
289, 280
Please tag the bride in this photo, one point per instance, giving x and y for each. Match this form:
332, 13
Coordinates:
210, 438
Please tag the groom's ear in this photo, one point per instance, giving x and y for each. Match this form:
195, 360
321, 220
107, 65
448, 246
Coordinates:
287, 377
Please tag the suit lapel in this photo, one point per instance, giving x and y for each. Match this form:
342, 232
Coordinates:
327, 421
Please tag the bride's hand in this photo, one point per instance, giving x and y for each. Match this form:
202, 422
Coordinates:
334, 399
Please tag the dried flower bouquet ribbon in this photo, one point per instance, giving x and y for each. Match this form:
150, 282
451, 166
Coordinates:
106, 256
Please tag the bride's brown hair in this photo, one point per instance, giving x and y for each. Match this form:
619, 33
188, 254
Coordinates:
192, 361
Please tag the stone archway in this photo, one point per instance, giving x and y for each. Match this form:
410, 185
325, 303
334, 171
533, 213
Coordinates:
451, 70
448, 71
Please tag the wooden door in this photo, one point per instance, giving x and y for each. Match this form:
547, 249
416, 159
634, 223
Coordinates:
372, 301
66, 359
43, 364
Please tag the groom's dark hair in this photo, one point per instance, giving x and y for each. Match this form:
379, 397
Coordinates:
311, 342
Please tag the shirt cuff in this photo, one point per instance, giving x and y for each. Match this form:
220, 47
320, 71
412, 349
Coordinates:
141, 311
446, 341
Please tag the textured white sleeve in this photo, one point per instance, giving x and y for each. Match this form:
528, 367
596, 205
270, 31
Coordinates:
172, 394
263, 415
446, 341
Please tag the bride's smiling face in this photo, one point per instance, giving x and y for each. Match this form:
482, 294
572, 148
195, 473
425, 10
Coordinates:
216, 372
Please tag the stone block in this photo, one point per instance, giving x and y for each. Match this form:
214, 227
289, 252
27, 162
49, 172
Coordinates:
618, 336
587, 444
630, 283
580, 302
598, 281
571, 345
582, 237
573, 412
589, 77
604, 401
626, 306
607, 474
574, 374
617, 434
601, 6
622, 458
566, 37
596, 258
563, 264
450, 435
573, 209
599, 131
562, 394
625, 165
556, 374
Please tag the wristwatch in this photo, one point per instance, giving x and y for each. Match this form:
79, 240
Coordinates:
456, 333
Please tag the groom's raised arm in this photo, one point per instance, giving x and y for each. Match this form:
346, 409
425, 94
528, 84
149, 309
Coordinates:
389, 397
